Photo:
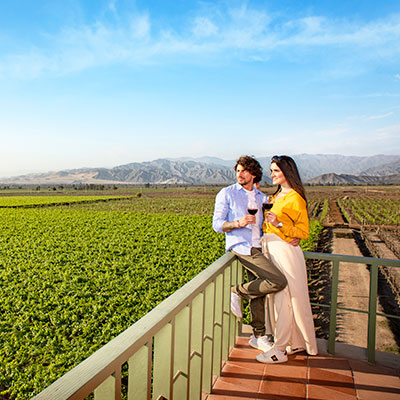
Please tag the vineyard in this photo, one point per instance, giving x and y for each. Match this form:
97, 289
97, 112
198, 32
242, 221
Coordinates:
372, 212
36, 201
75, 271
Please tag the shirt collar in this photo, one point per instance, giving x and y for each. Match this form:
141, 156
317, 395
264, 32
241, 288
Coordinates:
240, 187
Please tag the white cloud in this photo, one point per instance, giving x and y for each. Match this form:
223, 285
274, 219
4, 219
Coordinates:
204, 27
383, 95
243, 32
370, 117
390, 132
140, 27
397, 76
389, 114
111, 6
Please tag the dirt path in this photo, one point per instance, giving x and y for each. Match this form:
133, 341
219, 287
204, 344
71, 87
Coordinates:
353, 290
335, 216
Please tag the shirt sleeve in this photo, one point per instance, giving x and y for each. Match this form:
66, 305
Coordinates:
300, 227
221, 210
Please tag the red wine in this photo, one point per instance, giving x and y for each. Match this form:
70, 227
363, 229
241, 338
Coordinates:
252, 211
267, 206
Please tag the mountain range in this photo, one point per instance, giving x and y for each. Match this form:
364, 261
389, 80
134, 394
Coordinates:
314, 169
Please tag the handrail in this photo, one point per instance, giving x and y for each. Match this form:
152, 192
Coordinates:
106, 362
354, 259
176, 349
373, 294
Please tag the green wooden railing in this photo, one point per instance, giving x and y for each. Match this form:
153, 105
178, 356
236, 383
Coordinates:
173, 352
177, 349
374, 264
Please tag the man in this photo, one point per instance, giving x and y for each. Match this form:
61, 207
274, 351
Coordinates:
242, 237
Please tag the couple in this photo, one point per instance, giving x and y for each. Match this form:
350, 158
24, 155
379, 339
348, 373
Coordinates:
282, 271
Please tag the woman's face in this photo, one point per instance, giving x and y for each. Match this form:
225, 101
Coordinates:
277, 175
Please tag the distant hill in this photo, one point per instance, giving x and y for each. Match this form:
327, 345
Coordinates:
383, 169
313, 165
314, 169
342, 179
155, 172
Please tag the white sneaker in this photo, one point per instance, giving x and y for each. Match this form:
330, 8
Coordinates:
260, 343
235, 305
270, 338
290, 350
272, 356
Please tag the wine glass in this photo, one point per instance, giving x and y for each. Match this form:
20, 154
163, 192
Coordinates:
267, 204
252, 207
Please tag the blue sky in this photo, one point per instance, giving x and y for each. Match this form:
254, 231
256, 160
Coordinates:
95, 83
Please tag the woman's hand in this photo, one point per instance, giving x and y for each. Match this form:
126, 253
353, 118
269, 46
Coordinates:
295, 242
272, 218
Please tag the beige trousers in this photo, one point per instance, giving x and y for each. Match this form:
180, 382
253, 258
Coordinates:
294, 323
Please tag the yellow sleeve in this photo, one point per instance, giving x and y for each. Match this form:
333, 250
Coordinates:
299, 227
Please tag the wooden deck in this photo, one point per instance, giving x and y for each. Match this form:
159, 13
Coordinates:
305, 377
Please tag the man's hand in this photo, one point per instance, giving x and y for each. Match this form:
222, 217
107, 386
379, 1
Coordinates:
295, 242
246, 220
239, 223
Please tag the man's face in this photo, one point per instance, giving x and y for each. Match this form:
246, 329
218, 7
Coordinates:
243, 176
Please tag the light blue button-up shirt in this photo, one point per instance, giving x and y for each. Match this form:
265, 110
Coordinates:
230, 205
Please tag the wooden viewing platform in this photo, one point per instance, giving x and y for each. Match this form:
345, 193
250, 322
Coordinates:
339, 377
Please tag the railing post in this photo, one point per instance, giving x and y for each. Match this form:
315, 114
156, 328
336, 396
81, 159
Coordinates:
373, 292
180, 368
196, 347
162, 374
208, 337
139, 373
217, 324
107, 390
233, 331
226, 313
240, 280
333, 310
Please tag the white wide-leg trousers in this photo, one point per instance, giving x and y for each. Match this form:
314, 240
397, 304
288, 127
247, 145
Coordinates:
294, 323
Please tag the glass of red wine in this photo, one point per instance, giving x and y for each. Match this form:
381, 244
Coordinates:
267, 204
252, 207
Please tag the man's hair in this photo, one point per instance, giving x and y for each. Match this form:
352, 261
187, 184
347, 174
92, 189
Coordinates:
252, 165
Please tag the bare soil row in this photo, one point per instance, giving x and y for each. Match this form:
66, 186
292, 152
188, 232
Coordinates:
389, 279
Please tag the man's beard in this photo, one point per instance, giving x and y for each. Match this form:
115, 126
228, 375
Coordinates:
244, 182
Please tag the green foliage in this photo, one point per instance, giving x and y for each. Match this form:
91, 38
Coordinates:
165, 205
30, 201
343, 210
315, 231
72, 279
375, 212
325, 210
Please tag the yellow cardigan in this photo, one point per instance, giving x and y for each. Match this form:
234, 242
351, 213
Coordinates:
291, 210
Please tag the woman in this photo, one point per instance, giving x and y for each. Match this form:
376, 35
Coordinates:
288, 219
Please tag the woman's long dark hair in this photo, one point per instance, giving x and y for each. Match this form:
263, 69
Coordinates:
289, 168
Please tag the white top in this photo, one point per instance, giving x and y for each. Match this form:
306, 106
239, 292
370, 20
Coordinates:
255, 230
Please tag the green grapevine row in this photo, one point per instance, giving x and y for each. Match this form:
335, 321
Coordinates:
375, 212
25, 201
183, 205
